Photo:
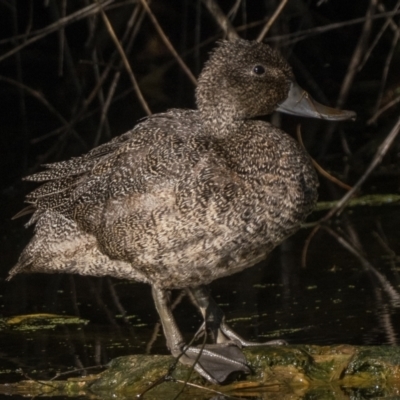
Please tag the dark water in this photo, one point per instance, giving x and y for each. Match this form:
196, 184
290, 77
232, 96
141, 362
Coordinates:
336, 298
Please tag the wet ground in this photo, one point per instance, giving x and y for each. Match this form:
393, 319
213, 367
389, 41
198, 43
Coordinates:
336, 298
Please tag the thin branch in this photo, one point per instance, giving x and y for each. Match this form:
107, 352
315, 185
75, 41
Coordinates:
128, 68
82, 115
132, 28
389, 22
357, 55
385, 284
37, 95
233, 11
207, 389
386, 67
76, 370
168, 43
380, 153
307, 245
20, 77
383, 109
330, 177
41, 33
61, 39
271, 21
322, 171
100, 96
221, 19
25, 375
292, 38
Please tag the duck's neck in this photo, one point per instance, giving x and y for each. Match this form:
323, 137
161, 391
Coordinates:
218, 121
218, 109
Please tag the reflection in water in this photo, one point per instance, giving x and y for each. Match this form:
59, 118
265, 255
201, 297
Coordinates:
385, 305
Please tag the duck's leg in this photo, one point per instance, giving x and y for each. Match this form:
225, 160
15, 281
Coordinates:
214, 320
215, 362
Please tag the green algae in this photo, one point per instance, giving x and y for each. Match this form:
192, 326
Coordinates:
284, 372
33, 322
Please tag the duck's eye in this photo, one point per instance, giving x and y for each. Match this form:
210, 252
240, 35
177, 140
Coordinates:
259, 70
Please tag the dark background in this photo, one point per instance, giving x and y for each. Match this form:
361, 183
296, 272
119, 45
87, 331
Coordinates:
51, 103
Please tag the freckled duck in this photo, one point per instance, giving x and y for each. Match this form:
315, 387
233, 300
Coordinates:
186, 196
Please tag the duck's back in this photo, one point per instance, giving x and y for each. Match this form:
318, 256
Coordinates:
169, 204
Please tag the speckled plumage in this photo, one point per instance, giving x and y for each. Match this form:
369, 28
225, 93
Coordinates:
187, 196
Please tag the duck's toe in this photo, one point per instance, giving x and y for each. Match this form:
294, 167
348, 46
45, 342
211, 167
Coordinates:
216, 362
226, 331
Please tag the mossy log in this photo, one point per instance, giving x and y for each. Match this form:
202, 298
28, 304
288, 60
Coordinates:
287, 372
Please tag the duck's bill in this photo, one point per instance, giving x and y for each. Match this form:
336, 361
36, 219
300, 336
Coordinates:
300, 103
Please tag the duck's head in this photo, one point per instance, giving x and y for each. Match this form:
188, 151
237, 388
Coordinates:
244, 79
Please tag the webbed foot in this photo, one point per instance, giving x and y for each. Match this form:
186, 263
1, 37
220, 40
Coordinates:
226, 330
215, 362
214, 321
